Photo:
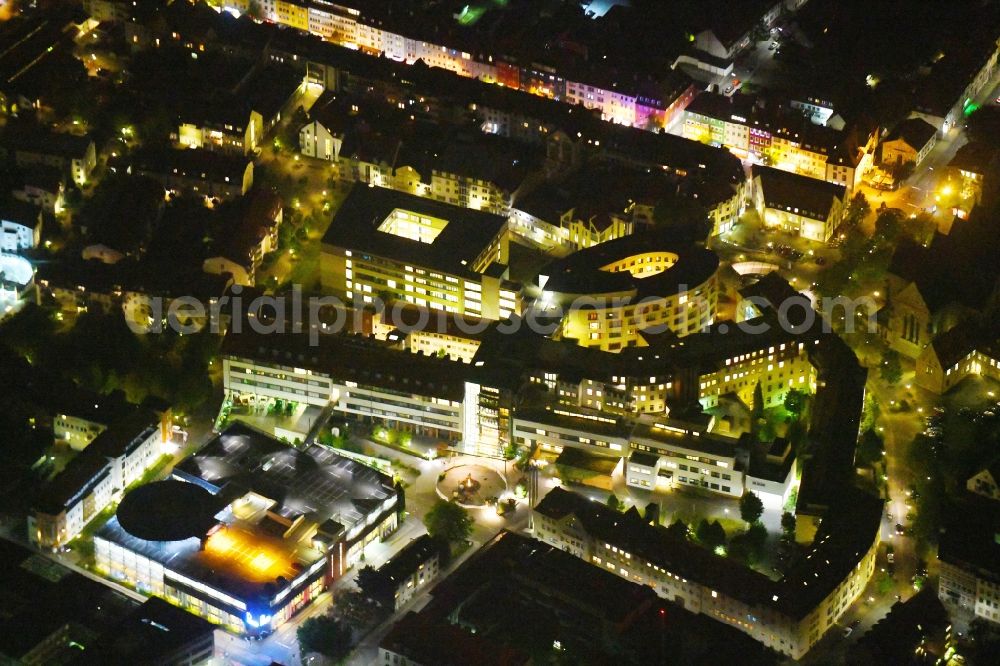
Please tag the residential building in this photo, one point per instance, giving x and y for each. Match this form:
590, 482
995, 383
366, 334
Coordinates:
797, 204
74, 415
38, 61
58, 615
535, 596
226, 129
247, 560
410, 570
74, 155
568, 214
772, 134
967, 350
374, 142
97, 476
628, 285
359, 377
985, 482
241, 111
42, 186
158, 632
788, 615
968, 553
403, 32
108, 10
20, 226
415, 642
409, 249
196, 172
129, 286
731, 29
916, 631
909, 143
970, 169
944, 95
251, 233
77, 431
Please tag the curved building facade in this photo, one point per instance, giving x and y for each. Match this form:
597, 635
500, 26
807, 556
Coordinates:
609, 295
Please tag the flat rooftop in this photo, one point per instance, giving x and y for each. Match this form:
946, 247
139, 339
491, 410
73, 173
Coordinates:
667, 436
239, 560
844, 536
39, 596
356, 227
587, 271
315, 482
241, 537
345, 357
83, 471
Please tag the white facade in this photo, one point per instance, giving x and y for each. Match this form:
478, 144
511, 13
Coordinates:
315, 140
962, 587
15, 236
53, 527
245, 378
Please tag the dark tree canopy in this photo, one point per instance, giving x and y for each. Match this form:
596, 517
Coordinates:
751, 507
326, 636
448, 521
711, 534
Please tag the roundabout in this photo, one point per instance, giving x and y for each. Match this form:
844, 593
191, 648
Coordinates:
471, 486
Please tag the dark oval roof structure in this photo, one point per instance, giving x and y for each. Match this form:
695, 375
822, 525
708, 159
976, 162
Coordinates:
167, 511
593, 270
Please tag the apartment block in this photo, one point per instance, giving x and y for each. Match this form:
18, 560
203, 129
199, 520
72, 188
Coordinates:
408, 249
98, 475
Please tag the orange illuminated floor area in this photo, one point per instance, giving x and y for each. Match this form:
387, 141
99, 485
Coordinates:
251, 556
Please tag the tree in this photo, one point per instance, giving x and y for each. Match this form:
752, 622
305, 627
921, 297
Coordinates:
788, 525
766, 432
749, 546
751, 508
984, 641
254, 10
888, 227
678, 529
511, 451
795, 401
614, 503
902, 170
448, 522
757, 408
870, 447
711, 534
684, 218
375, 586
891, 370
983, 126
857, 210
921, 228
400, 499
326, 636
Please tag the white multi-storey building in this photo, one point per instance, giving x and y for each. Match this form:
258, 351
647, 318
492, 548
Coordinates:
115, 459
789, 615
